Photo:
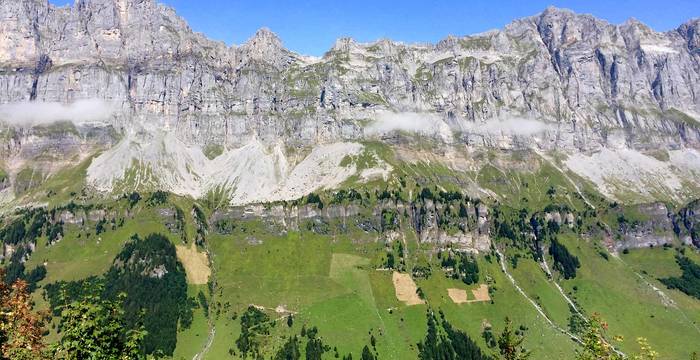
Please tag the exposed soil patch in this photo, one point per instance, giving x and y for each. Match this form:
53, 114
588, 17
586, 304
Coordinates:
196, 264
481, 293
459, 296
406, 289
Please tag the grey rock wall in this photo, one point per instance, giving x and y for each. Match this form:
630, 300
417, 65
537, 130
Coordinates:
591, 81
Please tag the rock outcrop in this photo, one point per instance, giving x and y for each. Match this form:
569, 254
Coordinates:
687, 223
433, 221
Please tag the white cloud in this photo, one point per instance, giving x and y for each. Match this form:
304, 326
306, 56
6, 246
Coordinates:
30, 113
432, 124
510, 126
387, 122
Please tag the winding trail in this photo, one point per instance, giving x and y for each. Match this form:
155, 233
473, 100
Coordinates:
545, 265
207, 346
538, 308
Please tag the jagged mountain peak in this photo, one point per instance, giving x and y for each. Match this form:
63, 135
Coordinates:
266, 47
557, 14
557, 11
690, 31
265, 37
344, 44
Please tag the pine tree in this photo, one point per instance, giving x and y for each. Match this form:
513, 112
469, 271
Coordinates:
511, 345
367, 354
290, 350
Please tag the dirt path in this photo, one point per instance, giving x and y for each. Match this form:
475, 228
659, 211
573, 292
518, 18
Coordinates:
537, 307
207, 346
534, 304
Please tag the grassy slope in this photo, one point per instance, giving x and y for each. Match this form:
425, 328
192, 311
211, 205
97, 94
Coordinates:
542, 339
630, 306
612, 287
333, 285
191, 341
533, 280
331, 282
76, 257
325, 281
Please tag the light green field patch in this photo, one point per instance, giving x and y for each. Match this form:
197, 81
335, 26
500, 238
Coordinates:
351, 272
658, 262
193, 339
347, 320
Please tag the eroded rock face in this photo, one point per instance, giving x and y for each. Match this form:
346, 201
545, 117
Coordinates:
687, 223
429, 219
593, 83
653, 228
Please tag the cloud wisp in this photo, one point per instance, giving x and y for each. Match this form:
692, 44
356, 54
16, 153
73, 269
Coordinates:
509, 126
432, 124
32, 113
423, 123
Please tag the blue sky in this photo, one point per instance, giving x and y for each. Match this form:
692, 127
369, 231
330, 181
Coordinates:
311, 26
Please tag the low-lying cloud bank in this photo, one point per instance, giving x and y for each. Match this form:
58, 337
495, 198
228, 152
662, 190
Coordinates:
387, 122
510, 126
31, 113
432, 124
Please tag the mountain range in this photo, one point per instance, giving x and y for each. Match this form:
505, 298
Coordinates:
150, 103
387, 200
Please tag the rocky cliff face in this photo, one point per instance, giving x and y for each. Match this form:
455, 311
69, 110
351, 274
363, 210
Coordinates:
554, 81
591, 80
433, 221
687, 223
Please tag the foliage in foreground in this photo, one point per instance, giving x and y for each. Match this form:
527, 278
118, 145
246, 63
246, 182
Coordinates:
510, 345
97, 329
91, 329
595, 345
21, 330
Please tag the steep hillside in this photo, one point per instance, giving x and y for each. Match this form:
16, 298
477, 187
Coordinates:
386, 200
368, 260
